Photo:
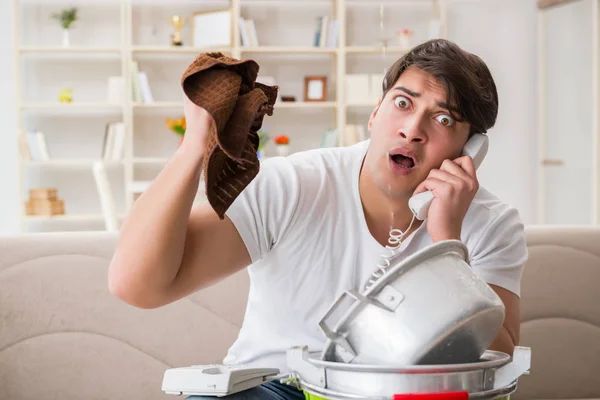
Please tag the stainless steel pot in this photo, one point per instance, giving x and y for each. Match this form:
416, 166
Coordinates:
429, 308
494, 375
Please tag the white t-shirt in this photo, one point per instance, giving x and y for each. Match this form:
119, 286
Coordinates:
302, 221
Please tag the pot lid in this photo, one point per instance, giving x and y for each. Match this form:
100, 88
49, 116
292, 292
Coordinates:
399, 266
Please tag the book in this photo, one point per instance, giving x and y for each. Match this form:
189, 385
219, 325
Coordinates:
37, 148
327, 32
107, 202
146, 93
114, 141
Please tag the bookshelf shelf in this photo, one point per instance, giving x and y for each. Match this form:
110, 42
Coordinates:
288, 50
285, 3
79, 163
178, 50
70, 50
278, 105
170, 3
125, 76
361, 105
160, 104
67, 217
388, 3
74, 2
375, 49
306, 104
68, 108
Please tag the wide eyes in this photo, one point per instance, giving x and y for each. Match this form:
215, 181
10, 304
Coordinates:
404, 103
445, 120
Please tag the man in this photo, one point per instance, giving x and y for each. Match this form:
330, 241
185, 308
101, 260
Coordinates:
314, 224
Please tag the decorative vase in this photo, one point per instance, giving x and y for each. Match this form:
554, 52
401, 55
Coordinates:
66, 40
283, 149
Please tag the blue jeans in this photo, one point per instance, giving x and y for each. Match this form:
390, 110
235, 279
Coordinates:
273, 390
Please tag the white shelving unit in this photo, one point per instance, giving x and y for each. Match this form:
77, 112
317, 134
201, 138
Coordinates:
112, 34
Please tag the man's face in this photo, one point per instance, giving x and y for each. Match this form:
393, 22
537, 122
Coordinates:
412, 132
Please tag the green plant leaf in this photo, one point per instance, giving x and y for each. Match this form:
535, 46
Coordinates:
66, 17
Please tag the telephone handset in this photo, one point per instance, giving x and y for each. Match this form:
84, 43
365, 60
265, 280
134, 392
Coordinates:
476, 147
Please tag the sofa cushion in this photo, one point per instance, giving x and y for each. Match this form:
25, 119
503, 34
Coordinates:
560, 313
65, 336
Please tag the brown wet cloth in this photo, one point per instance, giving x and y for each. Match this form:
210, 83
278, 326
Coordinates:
225, 87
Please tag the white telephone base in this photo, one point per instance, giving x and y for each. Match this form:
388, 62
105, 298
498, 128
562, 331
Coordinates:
215, 379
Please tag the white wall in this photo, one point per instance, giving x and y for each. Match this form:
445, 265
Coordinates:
502, 32
569, 113
9, 205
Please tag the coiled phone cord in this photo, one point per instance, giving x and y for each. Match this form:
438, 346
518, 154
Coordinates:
394, 243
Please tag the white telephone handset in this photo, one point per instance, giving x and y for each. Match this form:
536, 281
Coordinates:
476, 147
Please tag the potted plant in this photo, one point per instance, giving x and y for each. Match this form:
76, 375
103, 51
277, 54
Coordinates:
66, 18
178, 126
282, 143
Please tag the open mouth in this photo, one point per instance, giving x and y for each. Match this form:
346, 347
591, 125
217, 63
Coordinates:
403, 161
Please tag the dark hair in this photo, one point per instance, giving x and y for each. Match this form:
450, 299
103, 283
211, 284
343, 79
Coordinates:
467, 80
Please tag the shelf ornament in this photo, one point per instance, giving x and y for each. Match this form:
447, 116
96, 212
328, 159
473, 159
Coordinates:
177, 23
282, 144
66, 18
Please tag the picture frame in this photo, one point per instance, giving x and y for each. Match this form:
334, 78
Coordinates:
212, 28
315, 88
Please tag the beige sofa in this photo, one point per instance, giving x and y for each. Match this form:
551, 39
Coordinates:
63, 336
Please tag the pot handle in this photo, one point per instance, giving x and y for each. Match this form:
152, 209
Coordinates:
520, 365
337, 311
297, 361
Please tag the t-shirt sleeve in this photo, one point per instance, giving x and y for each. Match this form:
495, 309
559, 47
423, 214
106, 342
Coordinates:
267, 207
501, 252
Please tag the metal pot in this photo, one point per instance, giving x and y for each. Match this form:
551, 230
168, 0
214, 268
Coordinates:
494, 375
429, 308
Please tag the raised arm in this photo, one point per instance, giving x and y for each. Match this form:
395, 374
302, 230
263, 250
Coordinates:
167, 249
